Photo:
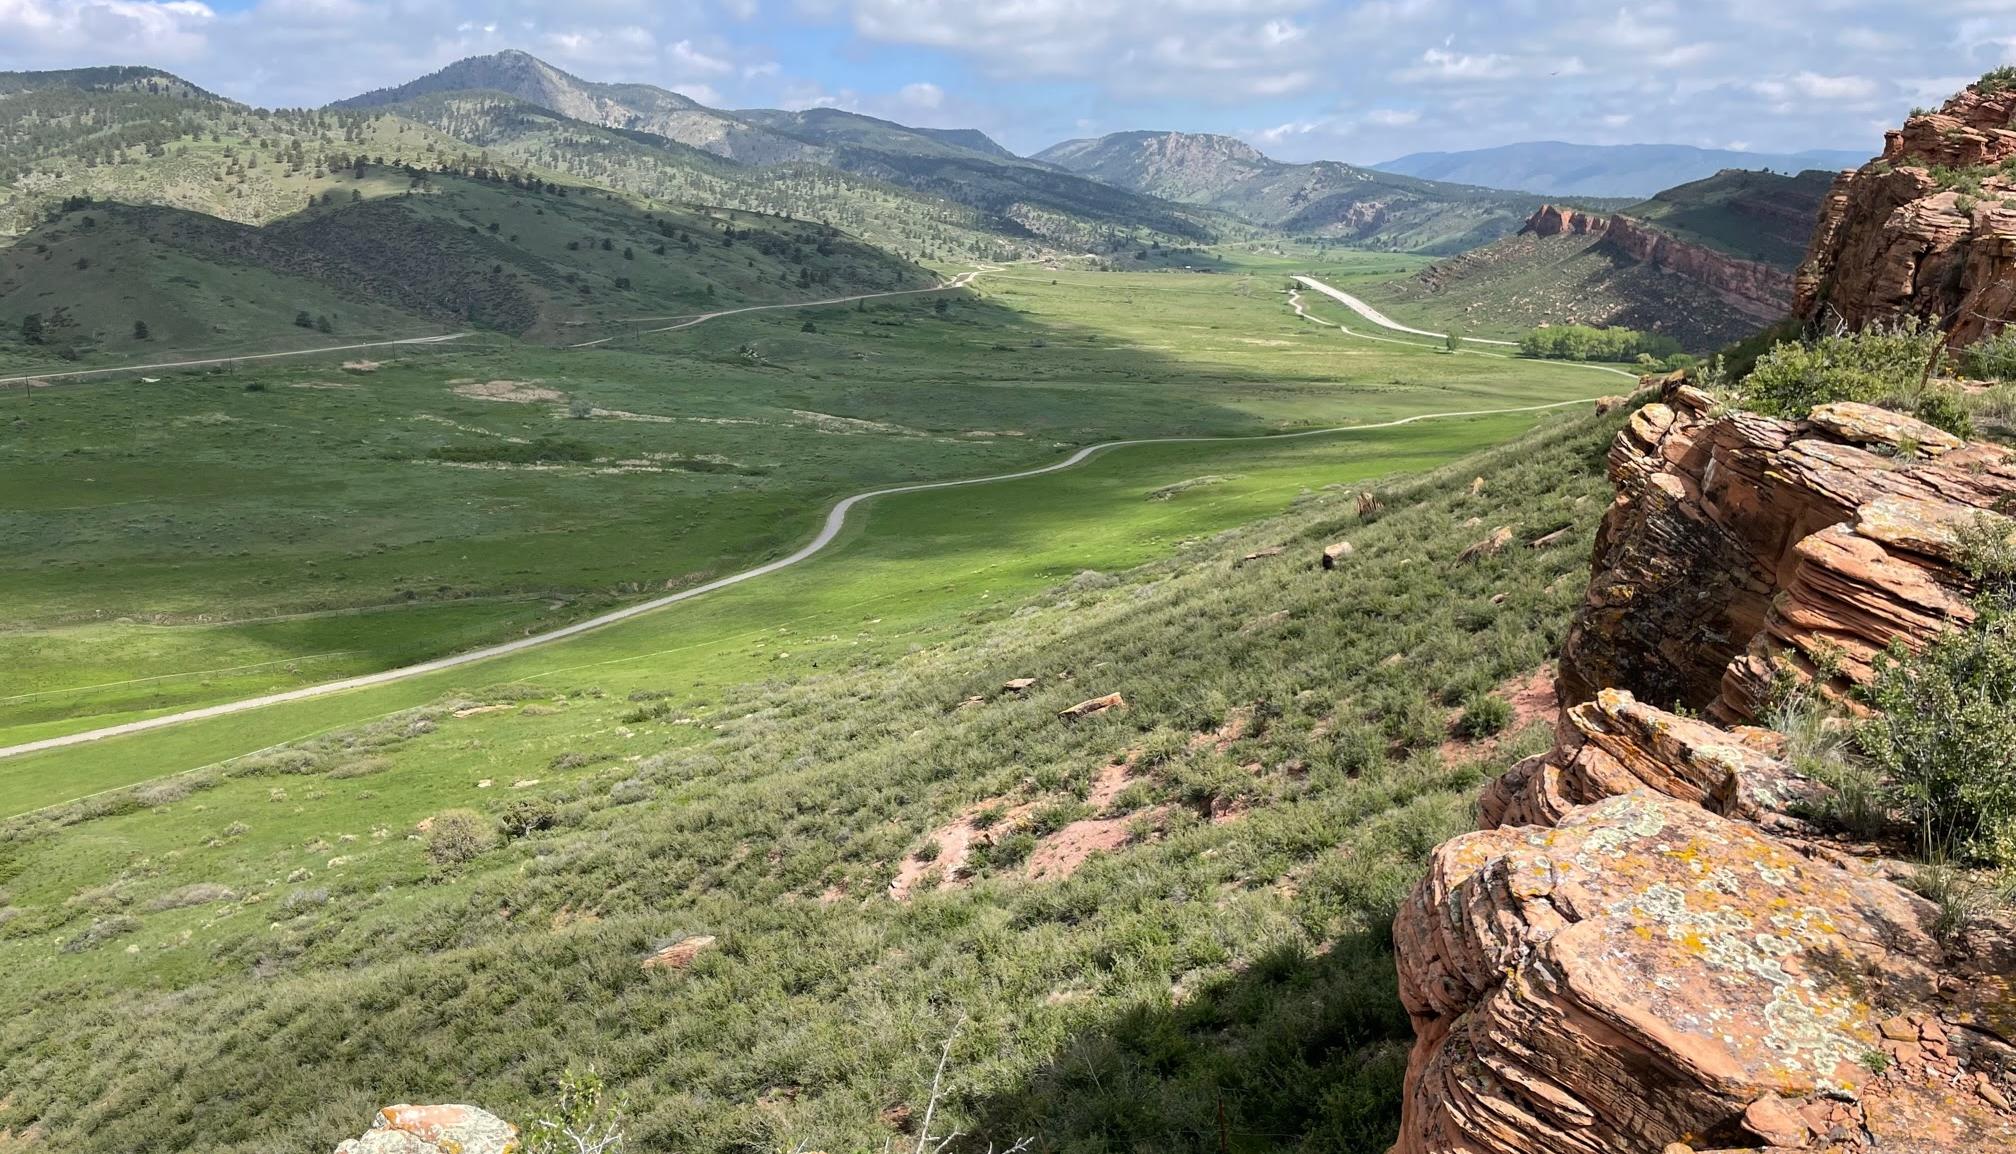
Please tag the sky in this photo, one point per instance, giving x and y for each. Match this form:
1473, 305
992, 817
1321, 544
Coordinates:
1353, 80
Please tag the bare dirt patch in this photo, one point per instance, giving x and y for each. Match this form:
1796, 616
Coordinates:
1534, 699
514, 392
1058, 856
828, 423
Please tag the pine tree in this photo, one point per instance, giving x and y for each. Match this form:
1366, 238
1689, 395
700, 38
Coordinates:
140, 332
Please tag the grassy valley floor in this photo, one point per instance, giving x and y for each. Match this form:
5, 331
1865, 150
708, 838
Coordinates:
763, 773
216, 536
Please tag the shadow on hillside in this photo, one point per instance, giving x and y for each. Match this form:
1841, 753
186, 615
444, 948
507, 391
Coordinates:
1297, 1051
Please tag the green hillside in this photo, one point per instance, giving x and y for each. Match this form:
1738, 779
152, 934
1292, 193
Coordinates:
400, 253
1760, 216
1007, 197
1353, 205
1220, 965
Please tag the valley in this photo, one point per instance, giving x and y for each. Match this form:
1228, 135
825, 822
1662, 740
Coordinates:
552, 614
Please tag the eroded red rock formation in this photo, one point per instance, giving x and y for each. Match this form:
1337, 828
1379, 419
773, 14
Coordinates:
1755, 288
1738, 542
1923, 230
1646, 943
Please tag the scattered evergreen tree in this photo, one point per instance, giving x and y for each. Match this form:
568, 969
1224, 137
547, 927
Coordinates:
140, 332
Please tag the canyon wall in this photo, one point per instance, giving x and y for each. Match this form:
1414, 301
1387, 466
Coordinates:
1756, 289
1923, 231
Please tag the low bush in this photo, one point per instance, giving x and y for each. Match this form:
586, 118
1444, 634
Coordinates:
542, 451
1878, 366
458, 835
1582, 343
1991, 358
1484, 716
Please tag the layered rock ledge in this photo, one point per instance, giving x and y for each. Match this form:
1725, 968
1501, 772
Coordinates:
1903, 237
1646, 946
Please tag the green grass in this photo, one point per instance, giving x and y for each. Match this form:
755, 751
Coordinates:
758, 772
181, 531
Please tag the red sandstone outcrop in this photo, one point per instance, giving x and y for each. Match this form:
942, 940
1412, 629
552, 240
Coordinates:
1895, 240
1646, 943
1755, 288
1739, 543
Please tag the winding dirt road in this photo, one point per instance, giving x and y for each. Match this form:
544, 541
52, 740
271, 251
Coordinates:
836, 520
1381, 319
438, 339
1373, 315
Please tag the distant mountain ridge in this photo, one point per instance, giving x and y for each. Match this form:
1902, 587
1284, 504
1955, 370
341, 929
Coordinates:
1325, 198
1557, 168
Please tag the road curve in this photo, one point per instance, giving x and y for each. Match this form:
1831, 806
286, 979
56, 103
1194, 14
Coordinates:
1295, 302
1381, 319
836, 519
438, 339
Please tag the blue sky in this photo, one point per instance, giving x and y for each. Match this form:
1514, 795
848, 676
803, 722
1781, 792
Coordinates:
1304, 79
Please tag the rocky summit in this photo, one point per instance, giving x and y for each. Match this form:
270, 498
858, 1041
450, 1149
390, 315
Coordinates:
1924, 230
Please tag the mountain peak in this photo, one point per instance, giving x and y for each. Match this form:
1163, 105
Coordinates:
518, 73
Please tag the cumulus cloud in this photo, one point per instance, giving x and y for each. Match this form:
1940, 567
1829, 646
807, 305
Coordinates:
1350, 79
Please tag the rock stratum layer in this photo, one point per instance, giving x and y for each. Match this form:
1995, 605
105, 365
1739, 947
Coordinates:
1646, 944
1753, 288
1742, 548
1923, 231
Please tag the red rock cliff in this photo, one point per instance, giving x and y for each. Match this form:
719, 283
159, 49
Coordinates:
1757, 289
1897, 239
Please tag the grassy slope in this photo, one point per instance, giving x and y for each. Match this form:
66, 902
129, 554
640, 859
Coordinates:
1758, 216
158, 563
1512, 285
399, 256
1239, 962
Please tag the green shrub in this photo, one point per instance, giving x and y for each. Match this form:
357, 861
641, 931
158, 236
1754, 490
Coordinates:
1878, 366
1946, 738
1582, 343
1485, 715
1991, 358
1996, 80
526, 816
1942, 409
458, 835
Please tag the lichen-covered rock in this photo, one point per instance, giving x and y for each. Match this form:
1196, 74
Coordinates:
1616, 744
434, 1130
1649, 972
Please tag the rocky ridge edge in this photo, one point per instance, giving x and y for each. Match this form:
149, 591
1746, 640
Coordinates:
1646, 947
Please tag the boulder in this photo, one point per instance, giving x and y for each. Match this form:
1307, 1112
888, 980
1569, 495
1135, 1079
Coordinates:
1335, 553
1740, 545
680, 954
434, 1130
1648, 972
1017, 685
1490, 546
1094, 706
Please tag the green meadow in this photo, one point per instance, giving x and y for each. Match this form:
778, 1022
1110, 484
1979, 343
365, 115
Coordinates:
761, 772
220, 535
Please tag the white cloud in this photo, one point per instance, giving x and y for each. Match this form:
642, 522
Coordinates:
922, 94
125, 30
1393, 117
688, 58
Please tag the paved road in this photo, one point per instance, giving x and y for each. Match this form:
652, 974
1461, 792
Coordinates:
442, 338
1381, 319
1295, 302
836, 519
